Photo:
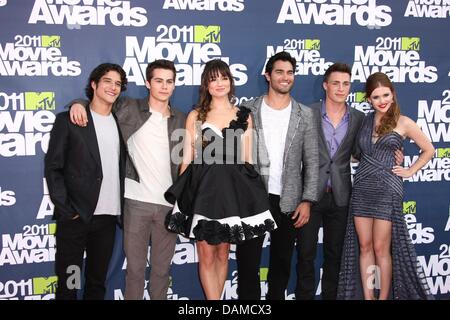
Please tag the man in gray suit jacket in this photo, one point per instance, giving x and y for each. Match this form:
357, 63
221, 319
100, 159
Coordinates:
287, 159
338, 127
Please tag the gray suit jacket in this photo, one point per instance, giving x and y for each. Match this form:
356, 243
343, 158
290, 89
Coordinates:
300, 159
338, 167
131, 114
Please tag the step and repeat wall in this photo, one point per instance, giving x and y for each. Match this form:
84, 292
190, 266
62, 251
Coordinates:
49, 47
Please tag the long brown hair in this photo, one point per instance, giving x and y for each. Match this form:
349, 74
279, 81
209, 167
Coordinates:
213, 69
389, 120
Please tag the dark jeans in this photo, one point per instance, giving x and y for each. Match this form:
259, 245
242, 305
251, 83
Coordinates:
73, 237
334, 221
282, 242
248, 258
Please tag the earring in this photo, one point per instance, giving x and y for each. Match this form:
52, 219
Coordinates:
234, 100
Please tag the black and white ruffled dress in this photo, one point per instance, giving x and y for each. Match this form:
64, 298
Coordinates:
217, 198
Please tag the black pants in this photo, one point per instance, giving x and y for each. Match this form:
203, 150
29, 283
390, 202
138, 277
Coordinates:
73, 237
248, 258
334, 221
282, 242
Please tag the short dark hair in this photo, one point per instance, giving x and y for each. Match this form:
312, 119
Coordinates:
283, 56
99, 72
337, 67
159, 64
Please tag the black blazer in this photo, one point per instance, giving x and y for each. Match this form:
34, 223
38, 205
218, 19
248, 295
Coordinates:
73, 169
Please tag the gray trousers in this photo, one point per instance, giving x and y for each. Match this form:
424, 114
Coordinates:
144, 223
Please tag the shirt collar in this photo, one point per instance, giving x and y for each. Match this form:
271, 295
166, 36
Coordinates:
323, 110
153, 111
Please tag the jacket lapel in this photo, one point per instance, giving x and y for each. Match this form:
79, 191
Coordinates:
292, 128
349, 128
323, 141
261, 152
91, 138
257, 121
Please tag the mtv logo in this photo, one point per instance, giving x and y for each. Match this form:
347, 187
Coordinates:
443, 152
44, 285
40, 100
360, 96
207, 34
410, 43
312, 44
263, 274
51, 41
409, 207
51, 228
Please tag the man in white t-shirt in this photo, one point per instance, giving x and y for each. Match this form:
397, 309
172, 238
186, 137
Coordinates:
287, 159
85, 168
147, 126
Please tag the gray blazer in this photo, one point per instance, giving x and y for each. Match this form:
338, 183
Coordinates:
338, 167
300, 159
131, 114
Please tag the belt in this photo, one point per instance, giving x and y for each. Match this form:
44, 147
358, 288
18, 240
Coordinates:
328, 189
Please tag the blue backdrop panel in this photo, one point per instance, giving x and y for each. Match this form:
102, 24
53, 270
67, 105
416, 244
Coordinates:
49, 47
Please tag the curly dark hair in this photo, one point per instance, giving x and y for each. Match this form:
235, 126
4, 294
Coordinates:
389, 120
212, 69
99, 72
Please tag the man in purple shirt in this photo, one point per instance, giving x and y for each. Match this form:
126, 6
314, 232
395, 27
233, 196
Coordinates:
338, 126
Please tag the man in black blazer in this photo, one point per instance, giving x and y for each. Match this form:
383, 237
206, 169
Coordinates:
149, 128
338, 127
84, 168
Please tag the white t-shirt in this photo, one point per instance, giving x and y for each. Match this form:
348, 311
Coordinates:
149, 150
275, 125
109, 148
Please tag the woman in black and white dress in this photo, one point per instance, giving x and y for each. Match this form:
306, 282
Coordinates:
219, 199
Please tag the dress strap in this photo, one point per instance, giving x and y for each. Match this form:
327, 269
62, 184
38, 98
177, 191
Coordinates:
242, 119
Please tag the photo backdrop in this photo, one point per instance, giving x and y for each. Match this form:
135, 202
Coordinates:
49, 47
